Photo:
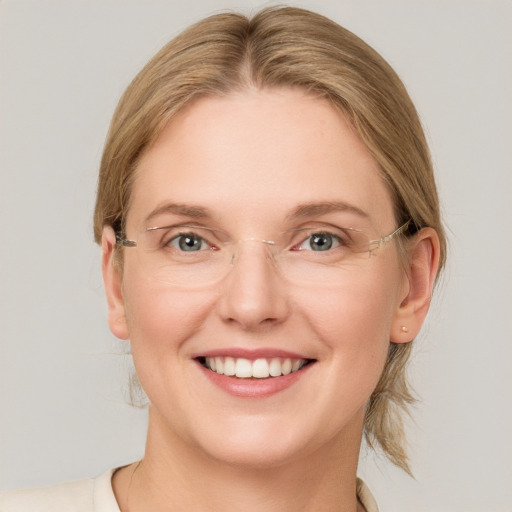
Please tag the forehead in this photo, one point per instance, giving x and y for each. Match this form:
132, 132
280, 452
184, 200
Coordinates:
257, 154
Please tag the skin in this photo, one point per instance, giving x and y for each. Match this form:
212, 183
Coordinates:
251, 158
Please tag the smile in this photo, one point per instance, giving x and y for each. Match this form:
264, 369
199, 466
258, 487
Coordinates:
261, 368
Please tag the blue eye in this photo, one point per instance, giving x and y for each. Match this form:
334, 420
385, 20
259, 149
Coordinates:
188, 242
320, 242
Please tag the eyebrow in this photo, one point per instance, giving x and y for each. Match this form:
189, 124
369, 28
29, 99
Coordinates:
185, 210
322, 208
302, 210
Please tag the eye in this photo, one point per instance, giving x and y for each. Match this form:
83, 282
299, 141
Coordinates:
321, 241
188, 242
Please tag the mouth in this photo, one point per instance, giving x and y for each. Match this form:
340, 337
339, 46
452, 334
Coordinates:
260, 368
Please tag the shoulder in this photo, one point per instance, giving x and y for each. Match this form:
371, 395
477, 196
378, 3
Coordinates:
71, 496
89, 495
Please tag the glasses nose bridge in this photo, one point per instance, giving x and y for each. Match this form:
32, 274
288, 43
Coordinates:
236, 248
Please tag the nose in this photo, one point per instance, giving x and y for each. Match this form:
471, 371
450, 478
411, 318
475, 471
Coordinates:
253, 295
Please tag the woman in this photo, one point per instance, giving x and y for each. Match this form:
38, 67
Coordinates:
271, 238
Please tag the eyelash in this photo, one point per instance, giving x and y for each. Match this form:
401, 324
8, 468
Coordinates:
189, 234
336, 240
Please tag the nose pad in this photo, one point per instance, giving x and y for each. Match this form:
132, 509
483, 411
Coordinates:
253, 294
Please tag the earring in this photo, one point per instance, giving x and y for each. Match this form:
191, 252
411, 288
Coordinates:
404, 328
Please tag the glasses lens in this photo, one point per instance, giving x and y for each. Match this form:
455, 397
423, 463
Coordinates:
190, 256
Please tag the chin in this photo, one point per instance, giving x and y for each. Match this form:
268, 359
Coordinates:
254, 453
262, 442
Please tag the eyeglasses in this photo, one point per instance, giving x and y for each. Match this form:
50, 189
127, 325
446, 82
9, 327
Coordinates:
189, 255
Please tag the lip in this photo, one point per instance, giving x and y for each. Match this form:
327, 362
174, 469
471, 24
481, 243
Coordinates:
252, 387
251, 354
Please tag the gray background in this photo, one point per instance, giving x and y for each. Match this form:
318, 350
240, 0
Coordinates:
63, 377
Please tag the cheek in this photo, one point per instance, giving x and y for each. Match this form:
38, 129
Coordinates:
354, 309
354, 321
160, 319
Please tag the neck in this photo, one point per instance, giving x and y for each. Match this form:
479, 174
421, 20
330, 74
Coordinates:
174, 476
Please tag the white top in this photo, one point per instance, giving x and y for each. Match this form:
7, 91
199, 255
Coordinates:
96, 495
89, 495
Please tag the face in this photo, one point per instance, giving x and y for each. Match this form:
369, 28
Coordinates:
253, 165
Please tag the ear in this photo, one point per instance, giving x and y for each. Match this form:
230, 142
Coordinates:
422, 267
112, 280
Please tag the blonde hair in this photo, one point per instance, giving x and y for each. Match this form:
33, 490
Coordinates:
283, 47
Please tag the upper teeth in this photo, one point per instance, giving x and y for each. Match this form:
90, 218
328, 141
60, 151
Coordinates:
259, 368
